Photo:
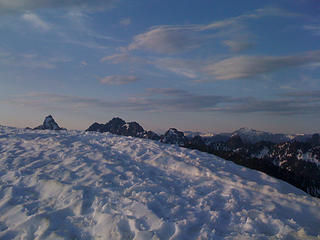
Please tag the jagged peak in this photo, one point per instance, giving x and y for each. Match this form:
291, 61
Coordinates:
49, 124
117, 119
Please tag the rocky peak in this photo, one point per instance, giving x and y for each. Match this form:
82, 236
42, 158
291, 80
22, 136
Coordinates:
131, 129
49, 124
114, 125
150, 135
173, 136
96, 127
120, 127
116, 122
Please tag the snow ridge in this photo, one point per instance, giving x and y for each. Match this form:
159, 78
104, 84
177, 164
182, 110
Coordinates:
89, 185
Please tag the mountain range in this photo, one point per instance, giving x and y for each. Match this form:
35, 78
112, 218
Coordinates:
249, 135
292, 158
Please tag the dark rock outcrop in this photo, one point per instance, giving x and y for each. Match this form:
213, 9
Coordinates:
49, 124
132, 129
151, 135
173, 136
114, 126
120, 127
96, 127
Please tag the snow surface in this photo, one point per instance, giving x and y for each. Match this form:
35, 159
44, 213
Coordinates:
87, 185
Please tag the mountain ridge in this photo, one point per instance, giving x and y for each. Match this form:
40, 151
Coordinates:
258, 150
294, 160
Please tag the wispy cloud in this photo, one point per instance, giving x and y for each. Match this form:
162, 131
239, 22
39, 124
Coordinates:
36, 21
167, 39
313, 28
304, 94
124, 58
238, 46
117, 58
168, 92
78, 30
277, 107
183, 67
125, 22
175, 100
80, 22
172, 39
31, 60
239, 67
119, 79
9, 6
251, 66
177, 39
87, 43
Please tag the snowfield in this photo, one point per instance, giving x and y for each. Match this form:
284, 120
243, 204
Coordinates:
84, 185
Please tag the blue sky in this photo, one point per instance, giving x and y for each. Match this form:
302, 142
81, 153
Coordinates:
194, 65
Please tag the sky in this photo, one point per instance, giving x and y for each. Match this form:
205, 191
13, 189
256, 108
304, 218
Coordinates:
211, 66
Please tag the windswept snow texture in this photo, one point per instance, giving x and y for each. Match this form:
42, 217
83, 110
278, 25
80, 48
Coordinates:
85, 185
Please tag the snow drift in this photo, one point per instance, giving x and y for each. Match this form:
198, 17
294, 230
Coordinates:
86, 185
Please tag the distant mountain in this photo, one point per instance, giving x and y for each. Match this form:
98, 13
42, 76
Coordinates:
295, 162
249, 135
190, 134
132, 129
173, 136
150, 135
253, 136
120, 127
49, 124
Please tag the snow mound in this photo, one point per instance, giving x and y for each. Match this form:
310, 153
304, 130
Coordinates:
88, 185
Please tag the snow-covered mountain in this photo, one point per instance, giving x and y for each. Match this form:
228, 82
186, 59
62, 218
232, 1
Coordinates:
254, 136
90, 185
249, 135
191, 134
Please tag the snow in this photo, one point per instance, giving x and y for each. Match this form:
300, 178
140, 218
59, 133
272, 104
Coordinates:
87, 185
253, 136
263, 153
191, 134
308, 157
126, 126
